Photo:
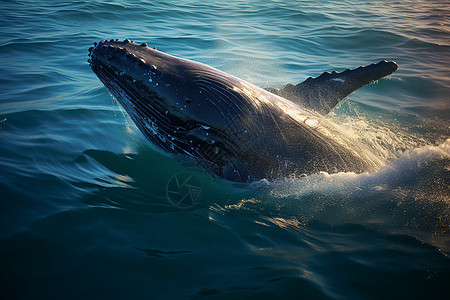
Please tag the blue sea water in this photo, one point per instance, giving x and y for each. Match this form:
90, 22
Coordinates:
84, 198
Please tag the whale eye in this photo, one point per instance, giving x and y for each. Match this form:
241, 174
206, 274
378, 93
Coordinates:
188, 100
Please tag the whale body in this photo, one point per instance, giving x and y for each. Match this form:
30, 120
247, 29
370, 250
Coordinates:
228, 126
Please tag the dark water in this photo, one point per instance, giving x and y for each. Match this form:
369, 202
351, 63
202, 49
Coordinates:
84, 198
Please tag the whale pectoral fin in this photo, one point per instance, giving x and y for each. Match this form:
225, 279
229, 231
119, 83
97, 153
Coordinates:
323, 93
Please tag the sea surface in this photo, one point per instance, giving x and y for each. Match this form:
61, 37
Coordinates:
88, 207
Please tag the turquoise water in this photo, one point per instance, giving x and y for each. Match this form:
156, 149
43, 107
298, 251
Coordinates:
84, 198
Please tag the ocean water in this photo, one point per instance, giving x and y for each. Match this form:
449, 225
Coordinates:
89, 209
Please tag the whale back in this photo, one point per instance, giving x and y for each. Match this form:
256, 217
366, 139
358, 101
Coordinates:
324, 92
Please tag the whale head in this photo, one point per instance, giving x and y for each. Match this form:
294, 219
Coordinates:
171, 103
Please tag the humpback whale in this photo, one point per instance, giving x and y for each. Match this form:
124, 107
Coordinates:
231, 127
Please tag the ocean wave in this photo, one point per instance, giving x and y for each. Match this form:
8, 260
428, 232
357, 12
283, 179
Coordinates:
410, 195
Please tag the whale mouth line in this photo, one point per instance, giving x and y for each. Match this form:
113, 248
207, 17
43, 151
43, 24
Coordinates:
147, 116
130, 96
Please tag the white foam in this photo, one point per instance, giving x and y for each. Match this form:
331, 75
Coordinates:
409, 163
410, 195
